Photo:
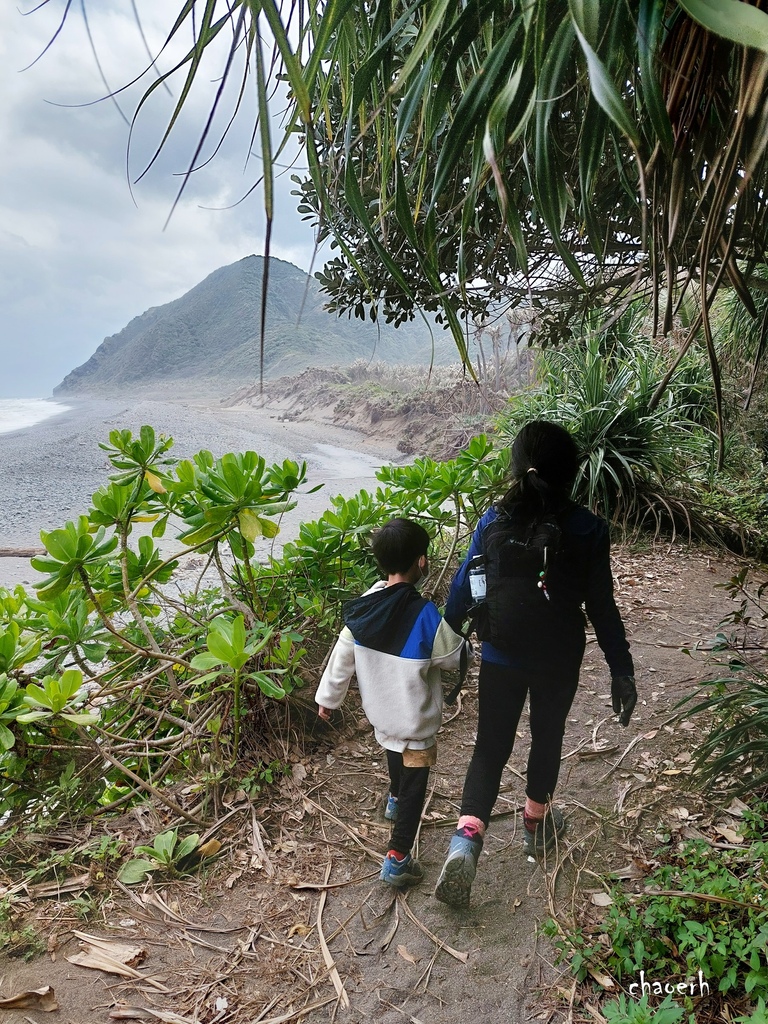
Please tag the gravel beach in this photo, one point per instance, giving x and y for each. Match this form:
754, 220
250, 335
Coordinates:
50, 470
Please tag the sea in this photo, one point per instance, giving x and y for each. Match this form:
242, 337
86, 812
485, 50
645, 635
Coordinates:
18, 413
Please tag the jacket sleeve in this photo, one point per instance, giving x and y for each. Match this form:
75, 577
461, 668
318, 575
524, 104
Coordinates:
338, 672
601, 608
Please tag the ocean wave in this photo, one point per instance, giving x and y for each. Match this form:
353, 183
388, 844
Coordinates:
20, 413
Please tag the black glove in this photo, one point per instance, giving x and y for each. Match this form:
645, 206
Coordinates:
623, 697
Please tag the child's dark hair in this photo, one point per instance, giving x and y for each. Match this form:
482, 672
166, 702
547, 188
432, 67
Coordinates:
544, 465
398, 544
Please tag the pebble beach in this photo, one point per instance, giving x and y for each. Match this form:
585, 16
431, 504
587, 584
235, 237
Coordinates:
51, 469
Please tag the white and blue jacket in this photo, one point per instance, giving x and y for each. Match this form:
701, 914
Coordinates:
396, 642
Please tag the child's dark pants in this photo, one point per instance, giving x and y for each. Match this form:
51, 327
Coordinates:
409, 785
502, 693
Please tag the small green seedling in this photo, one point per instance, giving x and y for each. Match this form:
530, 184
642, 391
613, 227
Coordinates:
168, 854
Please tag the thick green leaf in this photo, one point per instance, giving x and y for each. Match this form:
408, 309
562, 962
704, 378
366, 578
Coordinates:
164, 844
7, 739
33, 716
81, 717
732, 19
220, 646
238, 633
268, 686
250, 524
37, 695
135, 871
604, 90
205, 661
187, 846
269, 528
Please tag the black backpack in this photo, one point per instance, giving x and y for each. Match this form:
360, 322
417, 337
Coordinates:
518, 554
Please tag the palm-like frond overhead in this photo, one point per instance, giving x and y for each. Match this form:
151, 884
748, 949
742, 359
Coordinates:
466, 152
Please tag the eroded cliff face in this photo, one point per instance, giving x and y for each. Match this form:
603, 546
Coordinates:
212, 335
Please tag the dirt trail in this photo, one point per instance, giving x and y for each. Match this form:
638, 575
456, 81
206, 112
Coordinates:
407, 957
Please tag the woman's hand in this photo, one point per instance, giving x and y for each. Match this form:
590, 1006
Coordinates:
623, 697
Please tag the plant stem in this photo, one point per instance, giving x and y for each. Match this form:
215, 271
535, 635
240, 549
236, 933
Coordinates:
146, 786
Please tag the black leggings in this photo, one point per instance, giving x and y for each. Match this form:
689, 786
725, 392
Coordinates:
502, 693
409, 785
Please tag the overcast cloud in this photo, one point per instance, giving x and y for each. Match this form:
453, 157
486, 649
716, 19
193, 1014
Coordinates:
79, 256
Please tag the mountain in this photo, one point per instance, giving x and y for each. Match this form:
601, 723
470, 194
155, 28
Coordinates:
211, 335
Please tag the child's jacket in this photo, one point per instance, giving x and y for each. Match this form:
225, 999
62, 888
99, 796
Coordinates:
397, 642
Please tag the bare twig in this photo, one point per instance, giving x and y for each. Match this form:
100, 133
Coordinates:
258, 845
341, 992
351, 832
455, 953
616, 765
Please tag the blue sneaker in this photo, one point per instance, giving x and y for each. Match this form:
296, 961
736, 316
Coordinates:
455, 882
390, 807
401, 873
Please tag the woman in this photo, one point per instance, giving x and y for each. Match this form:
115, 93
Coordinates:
533, 639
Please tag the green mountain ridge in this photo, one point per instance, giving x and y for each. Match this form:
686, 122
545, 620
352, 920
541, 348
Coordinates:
212, 335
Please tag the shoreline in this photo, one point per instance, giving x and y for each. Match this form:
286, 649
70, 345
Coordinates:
51, 469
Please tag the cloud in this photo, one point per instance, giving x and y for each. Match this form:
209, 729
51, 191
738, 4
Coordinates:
79, 254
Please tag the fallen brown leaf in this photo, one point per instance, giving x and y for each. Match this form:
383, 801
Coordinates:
403, 951
42, 999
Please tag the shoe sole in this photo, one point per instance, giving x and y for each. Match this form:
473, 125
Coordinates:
455, 883
400, 882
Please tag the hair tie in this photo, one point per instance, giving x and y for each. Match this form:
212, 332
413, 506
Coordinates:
532, 470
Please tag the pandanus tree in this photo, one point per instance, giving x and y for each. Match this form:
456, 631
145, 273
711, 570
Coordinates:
467, 156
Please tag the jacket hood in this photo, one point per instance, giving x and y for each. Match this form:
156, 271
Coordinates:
380, 618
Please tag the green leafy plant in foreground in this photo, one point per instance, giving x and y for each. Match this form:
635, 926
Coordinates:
169, 855
733, 752
629, 1011
672, 930
11, 706
634, 457
72, 552
58, 696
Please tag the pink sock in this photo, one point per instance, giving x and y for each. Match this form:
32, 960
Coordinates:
533, 814
472, 826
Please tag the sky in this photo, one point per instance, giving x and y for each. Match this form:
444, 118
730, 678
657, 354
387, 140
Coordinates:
82, 250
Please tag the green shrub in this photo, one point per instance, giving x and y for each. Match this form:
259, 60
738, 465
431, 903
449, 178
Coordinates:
117, 678
733, 753
699, 911
635, 459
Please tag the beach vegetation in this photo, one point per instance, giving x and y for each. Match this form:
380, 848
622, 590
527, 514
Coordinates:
648, 464
11, 706
168, 631
126, 671
732, 753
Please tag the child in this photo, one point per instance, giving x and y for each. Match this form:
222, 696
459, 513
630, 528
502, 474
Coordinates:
536, 646
397, 643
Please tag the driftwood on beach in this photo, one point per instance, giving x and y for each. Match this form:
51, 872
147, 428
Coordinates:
21, 552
